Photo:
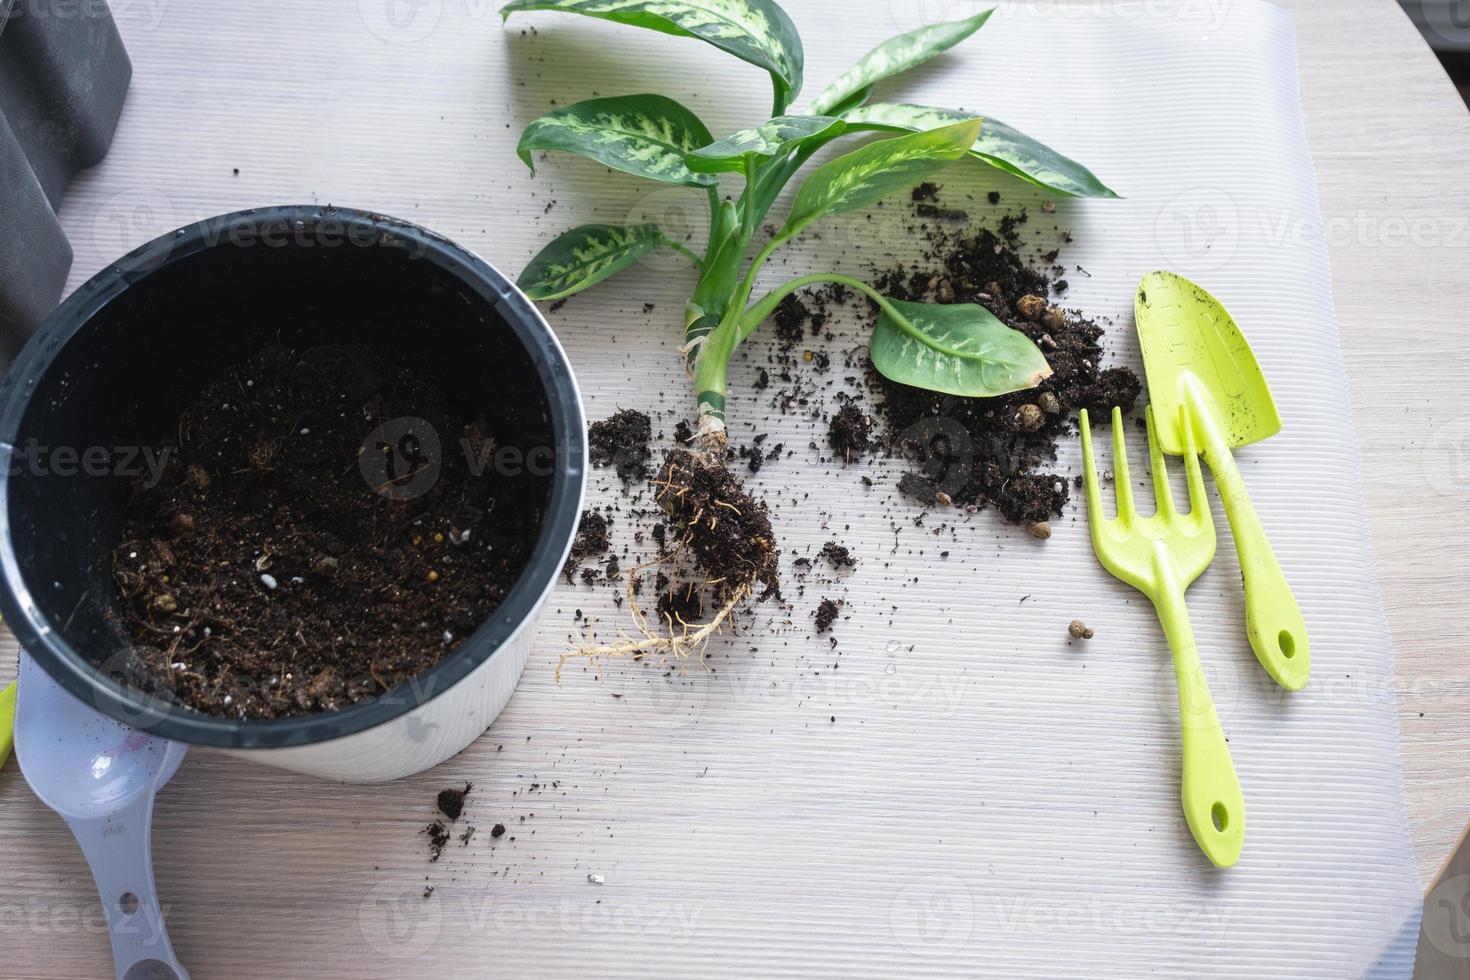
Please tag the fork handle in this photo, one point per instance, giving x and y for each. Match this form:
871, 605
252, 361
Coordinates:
1209, 788
1273, 620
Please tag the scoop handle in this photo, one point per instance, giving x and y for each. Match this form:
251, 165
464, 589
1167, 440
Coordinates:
1273, 620
119, 851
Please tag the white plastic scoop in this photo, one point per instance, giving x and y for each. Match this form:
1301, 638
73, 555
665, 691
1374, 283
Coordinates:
102, 776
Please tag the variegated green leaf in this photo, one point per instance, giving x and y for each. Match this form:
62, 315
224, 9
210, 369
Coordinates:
895, 55
871, 173
584, 257
644, 135
756, 31
999, 145
958, 349
773, 138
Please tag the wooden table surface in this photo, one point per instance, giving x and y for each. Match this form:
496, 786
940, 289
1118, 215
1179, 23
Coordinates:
1391, 140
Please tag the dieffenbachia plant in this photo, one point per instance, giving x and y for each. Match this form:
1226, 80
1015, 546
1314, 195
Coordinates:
959, 349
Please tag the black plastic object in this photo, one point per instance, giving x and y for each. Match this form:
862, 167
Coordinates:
63, 76
118, 361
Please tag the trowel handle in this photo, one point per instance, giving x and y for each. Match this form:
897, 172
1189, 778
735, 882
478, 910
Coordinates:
1273, 621
119, 852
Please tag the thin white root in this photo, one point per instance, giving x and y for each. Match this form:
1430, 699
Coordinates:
680, 645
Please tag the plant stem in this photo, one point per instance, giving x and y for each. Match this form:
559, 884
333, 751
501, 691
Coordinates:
686, 252
758, 313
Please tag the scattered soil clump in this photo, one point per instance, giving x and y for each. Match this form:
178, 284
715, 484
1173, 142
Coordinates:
994, 452
438, 835
451, 801
791, 318
593, 538
285, 565
838, 556
827, 612
622, 443
850, 432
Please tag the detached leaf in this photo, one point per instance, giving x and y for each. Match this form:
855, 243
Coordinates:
998, 145
895, 55
773, 138
958, 349
755, 31
584, 257
644, 135
869, 174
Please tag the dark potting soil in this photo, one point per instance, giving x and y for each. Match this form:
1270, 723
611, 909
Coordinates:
622, 443
850, 432
592, 538
680, 607
451, 801
994, 451
791, 318
438, 835
726, 531
927, 191
264, 576
827, 612
838, 556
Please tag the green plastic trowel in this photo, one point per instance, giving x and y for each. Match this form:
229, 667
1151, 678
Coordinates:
1196, 358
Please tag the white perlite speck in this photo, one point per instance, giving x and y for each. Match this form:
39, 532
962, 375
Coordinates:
269, 581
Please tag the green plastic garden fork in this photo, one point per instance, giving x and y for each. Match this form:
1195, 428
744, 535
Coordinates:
1160, 556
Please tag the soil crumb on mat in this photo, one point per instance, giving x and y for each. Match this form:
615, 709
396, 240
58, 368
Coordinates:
266, 576
622, 443
451, 801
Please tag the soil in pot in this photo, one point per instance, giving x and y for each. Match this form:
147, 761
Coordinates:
264, 576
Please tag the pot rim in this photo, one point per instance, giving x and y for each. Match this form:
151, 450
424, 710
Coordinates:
41, 638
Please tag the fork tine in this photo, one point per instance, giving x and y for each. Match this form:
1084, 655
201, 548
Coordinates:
1121, 481
1199, 504
1163, 493
1089, 470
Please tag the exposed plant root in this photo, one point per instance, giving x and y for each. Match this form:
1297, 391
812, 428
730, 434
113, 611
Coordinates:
723, 533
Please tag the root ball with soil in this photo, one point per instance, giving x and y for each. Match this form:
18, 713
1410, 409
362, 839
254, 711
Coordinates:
720, 543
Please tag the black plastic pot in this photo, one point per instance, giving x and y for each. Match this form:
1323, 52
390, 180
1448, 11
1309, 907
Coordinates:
63, 76
123, 355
